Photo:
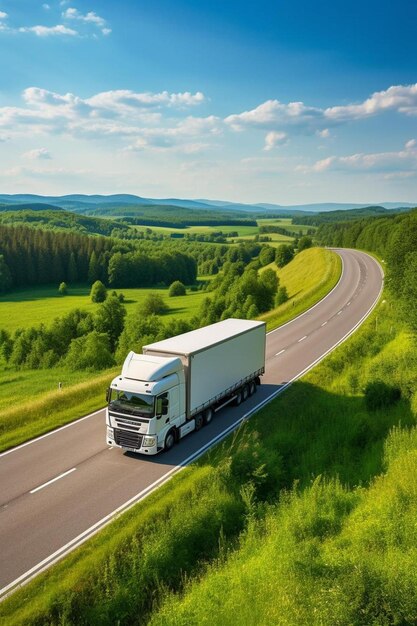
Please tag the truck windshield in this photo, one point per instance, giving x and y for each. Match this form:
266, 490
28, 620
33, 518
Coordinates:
133, 403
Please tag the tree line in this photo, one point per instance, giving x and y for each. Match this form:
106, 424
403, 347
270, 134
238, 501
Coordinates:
395, 239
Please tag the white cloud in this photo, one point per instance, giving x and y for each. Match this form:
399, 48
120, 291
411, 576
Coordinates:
3, 15
300, 118
403, 162
46, 31
89, 18
273, 139
46, 6
121, 114
37, 154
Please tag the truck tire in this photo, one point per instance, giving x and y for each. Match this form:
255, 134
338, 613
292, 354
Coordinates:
252, 388
245, 393
199, 421
169, 439
238, 399
208, 416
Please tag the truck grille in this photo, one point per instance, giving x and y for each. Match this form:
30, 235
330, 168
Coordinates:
127, 439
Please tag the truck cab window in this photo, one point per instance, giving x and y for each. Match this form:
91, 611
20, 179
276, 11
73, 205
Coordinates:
162, 404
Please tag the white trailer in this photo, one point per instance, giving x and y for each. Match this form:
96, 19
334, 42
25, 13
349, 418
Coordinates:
178, 384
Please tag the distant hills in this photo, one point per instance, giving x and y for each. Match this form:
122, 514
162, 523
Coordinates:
114, 204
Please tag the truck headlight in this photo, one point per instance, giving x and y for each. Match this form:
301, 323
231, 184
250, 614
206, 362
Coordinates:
148, 442
110, 433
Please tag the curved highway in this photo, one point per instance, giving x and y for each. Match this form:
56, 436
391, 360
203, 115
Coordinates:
59, 489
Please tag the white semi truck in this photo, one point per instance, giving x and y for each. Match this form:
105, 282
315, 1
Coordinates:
178, 384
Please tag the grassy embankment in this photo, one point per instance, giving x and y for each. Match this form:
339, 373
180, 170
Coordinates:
308, 278
306, 515
30, 403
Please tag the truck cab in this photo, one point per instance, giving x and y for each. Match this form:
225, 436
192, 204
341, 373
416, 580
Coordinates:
145, 403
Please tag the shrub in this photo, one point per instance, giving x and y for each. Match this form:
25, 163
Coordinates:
283, 255
153, 305
304, 243
282, 296
379, 395
177, 288
63, 289
90, 352
98, 292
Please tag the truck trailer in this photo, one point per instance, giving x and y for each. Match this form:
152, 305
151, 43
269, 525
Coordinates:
177, 385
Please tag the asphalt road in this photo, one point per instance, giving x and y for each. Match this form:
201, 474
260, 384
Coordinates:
60, 488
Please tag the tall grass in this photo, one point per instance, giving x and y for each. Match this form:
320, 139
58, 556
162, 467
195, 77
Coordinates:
306, 515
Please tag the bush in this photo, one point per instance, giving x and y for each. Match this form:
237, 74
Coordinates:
63, 289
98, 292
267, 255
304, 243
153, 305
282, 296
90, 352
379, 395
177, 288
283, 255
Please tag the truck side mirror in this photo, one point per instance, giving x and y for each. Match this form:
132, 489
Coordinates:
108, 395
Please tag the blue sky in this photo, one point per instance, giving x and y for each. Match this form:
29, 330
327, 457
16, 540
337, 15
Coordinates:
257, 102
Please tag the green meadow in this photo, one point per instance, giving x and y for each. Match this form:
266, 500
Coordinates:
23, 308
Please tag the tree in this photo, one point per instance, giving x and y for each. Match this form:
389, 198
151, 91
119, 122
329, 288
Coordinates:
72, 269
63, 289
177, 288
94, 272
5, 276
304, 243
270, 279
109, 319
267, 255
98, 292
409, 290
284, 254
282, 296
90, 352
153, 304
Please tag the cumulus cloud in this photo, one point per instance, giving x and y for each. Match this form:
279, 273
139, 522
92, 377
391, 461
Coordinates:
403, 162
3, 15
46, 31
300, 118
89, 18
37, 154
139, 117
46, 6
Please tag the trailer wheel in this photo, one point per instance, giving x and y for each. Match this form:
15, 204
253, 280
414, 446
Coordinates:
238, 399
208, 416
245, 393
199, 422
252, 388
169, 440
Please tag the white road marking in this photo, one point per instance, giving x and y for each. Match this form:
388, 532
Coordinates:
280, 352
340, 312
111, 448
302, 338
71, 545
324, 323
349, 303
53, 480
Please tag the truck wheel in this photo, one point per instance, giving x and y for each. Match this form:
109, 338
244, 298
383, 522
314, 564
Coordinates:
208, 416
245, 393
238, 399
169, 440
252, 388
199, 422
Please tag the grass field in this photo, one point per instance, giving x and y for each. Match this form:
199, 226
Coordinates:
308, 278
23, 308
287, 224
231, 540
242, 230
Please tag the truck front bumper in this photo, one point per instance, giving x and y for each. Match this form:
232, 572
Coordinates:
132, 441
